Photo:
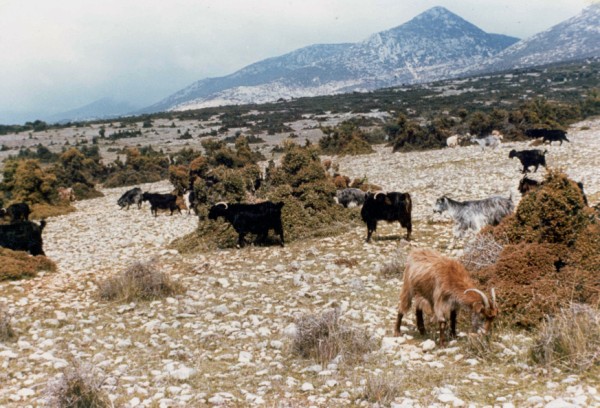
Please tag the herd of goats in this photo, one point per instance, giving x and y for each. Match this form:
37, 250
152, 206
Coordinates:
438, 285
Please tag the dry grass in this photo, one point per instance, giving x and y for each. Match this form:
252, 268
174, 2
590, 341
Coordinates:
6, 330
79, 387
141, 281
392, 269
479, 346
482, 251
323, 337
383, 388
19, 264
347, 262
40, 211
570, 339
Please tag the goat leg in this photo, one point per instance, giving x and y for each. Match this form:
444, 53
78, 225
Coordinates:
420, 322
442, 334
398, 324
453, 315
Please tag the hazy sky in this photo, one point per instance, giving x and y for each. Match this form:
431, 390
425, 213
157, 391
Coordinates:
63, 54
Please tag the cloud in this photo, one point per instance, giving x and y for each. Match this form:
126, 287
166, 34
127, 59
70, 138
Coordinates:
65, 54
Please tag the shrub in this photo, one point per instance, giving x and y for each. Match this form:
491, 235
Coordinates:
407, 135
6, 331
19, 264
80, 169
144, 165
141, 281
26, 181
322, 337
383, 388
481, 251
551, 254
570, 339
300, 182
553, 213
345, 139
80, 386
535, 280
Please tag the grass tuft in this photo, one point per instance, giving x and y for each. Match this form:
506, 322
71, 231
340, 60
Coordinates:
141, 281
382, 388
6, 331
323, 337
79, 387
570, 339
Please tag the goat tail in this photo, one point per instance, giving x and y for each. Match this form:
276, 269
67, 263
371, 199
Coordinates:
42, 224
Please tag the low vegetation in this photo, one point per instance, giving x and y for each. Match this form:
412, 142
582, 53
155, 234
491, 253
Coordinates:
323, 337
80, 386
570, 339
141, 281
383, 388
549, 254
6, 331
18, 265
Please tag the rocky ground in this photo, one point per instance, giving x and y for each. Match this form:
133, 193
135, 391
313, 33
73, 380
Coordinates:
227, 340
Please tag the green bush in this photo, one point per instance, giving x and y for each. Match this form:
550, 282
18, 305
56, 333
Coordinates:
347, 139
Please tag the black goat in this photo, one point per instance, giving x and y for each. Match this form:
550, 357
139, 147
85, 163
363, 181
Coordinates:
548, 135
130, 197
528, 158
161, 201
251, 218
526, 185
23, 236
17, 212
387, 207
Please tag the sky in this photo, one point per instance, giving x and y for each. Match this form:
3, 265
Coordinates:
64, 54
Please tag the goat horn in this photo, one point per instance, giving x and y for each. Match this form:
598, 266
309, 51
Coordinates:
484, 298
493, 297
222, 203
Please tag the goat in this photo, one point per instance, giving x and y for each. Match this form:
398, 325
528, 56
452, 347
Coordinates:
447, 287
548, 135
250, 218
23, 236
161, 201
388, 207
66, 194
16, 212
453, 141
474, 214
348, 196
133, 196
526, 185
492, 140
528, 158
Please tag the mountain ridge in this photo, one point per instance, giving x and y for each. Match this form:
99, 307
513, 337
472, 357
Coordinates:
435, 43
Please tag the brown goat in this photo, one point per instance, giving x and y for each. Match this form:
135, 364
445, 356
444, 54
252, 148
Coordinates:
443, 284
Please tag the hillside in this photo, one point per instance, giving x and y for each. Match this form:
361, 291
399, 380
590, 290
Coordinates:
226, 339
436, 44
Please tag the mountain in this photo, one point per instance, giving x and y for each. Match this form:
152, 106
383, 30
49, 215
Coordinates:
103, 108
434, 45
573, 39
